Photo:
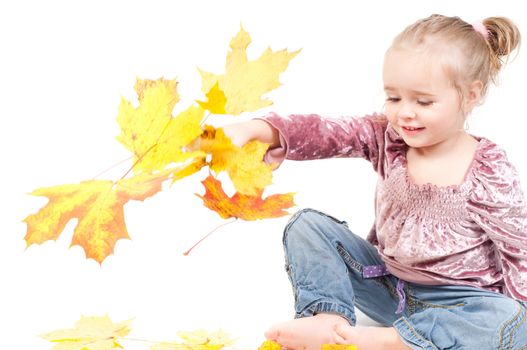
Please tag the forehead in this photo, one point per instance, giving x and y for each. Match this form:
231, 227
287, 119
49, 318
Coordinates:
414, 69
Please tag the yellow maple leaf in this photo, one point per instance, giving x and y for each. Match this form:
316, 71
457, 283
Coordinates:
338, 347
198, 340
245, 166
244, 81
90, 333
188, 169
151, 132
202, 336
98, 206
270, 345
216, 100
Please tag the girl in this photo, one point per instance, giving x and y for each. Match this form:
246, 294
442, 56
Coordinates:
445, 264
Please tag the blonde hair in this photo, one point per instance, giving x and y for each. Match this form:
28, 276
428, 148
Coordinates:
467, 54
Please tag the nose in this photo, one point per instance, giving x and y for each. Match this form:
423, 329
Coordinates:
406, 111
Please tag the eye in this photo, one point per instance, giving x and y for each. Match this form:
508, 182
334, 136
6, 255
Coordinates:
424, 102
392, 99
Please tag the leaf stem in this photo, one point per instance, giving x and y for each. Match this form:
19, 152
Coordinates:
141, 340
205, 119
138, 160
189, 345
207, 235
148, 150
111, 167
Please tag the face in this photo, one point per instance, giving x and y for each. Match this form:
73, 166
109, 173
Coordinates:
421, 103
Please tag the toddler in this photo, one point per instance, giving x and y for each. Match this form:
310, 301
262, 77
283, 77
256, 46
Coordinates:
445, 264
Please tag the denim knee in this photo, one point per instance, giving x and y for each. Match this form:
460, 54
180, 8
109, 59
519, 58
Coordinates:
300, 228
317, 273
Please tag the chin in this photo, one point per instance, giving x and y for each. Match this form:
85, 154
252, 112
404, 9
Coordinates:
414, 143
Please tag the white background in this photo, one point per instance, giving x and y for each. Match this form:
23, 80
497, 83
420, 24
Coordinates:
64, 66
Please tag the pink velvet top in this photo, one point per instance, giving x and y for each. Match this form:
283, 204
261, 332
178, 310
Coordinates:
473, 234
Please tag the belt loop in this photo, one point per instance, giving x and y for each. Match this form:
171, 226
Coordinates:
373, 271
402, 297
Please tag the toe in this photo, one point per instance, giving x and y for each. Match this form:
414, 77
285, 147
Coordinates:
344, 332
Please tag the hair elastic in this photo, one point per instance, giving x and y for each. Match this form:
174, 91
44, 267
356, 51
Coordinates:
480, 28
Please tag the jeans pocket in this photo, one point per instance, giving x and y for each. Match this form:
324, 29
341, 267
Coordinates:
422, 303
348, 260
426, 304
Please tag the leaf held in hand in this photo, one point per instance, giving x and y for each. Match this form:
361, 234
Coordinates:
242, 206
244, 81
245, 166
98, 206
216, 100
90, 333
151, 132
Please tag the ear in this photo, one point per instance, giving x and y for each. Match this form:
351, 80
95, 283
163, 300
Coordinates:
473, 95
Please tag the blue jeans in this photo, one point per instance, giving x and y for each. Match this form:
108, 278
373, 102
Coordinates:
325, 260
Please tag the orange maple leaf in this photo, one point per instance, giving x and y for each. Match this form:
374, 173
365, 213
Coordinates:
98, 206
243, 206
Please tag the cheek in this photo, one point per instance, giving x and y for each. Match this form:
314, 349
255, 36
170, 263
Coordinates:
390, 113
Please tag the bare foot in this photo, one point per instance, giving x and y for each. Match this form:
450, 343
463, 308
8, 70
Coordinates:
371, 338
308, 333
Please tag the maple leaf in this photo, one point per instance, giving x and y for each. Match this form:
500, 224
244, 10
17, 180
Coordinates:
151, 132
244, 81
270, 345
202, 336
188, 169
216, 100
90, 333
338, 347
242, 206
245, 166
198, 340
98, 206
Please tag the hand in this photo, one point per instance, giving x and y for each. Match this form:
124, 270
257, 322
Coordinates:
239, 133
243, 132
256, 129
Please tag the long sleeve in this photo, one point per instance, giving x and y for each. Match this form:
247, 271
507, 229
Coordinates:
498, 207
307, 137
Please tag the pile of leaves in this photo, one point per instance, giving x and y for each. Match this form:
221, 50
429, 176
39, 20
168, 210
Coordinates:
100, 333
161, 147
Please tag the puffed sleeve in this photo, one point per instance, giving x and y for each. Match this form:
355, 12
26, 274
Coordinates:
498, 206
310, 136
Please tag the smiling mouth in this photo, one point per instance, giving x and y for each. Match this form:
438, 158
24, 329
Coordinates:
409, 128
